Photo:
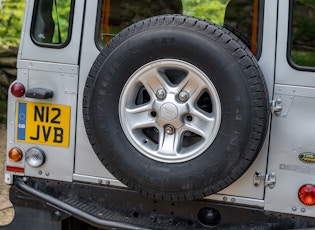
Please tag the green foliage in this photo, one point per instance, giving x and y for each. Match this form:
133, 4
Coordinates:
303, 57
309, 3
212, 10
303, 33
303, 19
3, 111
11, 18
61, 15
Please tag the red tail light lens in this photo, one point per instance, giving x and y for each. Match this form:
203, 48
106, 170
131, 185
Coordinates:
18, 89
307, 194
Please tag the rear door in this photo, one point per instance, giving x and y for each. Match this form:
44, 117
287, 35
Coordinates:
292, 145
47, 65
112, 16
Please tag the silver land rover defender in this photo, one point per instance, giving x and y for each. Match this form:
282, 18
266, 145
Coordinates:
163, 114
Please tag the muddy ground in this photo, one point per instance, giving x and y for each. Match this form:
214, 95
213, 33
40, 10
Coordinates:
6, 210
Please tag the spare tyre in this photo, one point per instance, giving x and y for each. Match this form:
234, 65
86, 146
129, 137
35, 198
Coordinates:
176, 107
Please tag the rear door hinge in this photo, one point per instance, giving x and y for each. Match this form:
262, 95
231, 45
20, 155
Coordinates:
276, 107
269, 178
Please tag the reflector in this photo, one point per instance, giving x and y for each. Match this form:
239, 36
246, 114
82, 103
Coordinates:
15, 169
307, 194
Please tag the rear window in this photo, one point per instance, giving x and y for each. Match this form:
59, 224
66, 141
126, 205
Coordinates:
242, 17
302, 34
51, 23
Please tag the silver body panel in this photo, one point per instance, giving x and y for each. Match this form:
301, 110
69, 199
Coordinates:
292, 133
87, 163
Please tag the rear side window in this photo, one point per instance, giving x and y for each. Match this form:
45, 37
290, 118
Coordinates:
117, 15
242, 17
51, 23
302, 34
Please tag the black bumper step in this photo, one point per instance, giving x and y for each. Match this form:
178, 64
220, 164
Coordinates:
116, 208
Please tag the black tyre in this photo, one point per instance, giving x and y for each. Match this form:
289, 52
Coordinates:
176, 107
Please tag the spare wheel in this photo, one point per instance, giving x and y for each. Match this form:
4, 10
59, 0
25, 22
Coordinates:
176, 107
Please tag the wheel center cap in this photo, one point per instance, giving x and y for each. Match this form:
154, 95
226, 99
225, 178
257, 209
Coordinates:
168, 111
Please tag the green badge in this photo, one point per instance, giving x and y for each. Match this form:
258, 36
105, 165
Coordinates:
307, 157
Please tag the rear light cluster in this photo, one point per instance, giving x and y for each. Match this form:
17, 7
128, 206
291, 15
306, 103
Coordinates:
15, 155
18, 89
34, 157
307, 194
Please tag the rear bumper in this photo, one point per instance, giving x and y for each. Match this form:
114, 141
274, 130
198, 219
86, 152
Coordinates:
116, 208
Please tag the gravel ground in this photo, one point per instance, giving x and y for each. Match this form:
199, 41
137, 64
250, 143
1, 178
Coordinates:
6, 210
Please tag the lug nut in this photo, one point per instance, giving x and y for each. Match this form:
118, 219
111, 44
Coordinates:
189, 118
183, 96
169, 130
161, 94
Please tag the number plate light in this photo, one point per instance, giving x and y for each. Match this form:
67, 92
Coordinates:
35, 157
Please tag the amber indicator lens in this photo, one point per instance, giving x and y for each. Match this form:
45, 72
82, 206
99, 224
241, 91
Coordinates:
18, 89
307, 194
15, 154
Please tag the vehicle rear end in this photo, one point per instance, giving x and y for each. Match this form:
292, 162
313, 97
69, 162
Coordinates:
129, 115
